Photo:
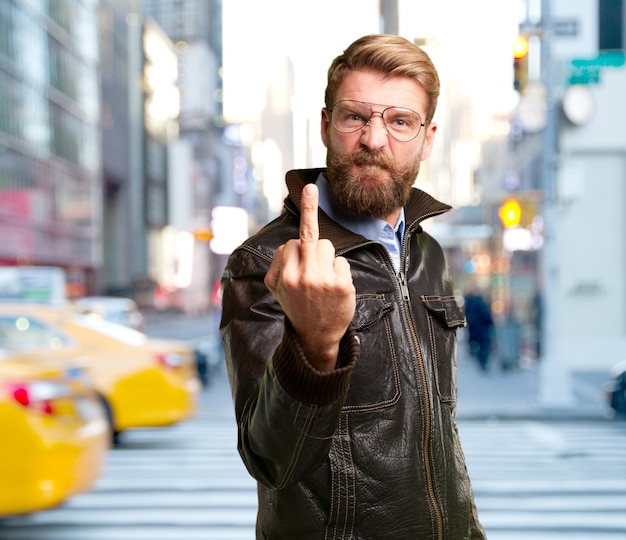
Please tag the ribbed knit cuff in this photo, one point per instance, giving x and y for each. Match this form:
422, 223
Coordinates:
305, 383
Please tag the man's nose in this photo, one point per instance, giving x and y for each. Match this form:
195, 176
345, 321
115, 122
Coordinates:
374, 133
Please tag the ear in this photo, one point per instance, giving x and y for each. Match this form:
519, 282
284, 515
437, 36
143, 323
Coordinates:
325, 126
429, 139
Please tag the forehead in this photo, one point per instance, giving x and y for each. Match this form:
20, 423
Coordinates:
374, 87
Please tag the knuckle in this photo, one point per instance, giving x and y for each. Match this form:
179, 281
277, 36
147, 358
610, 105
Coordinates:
308, 234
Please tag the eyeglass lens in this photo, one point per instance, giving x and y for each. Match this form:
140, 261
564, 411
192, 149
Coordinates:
350, 116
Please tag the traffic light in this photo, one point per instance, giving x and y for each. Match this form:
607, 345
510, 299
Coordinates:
203, 235
510, 213
520, 63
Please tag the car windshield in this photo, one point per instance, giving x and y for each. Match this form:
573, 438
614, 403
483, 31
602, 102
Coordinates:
21, 332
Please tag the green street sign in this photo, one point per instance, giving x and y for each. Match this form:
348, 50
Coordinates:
587, 70
584, 75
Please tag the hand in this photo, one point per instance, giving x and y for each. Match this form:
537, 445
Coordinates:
313, 287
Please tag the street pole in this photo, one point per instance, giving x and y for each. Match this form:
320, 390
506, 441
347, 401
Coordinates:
389, 15
555, 384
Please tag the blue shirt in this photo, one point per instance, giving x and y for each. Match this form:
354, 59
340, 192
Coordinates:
374, 229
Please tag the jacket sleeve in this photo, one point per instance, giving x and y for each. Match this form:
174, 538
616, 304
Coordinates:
286, 411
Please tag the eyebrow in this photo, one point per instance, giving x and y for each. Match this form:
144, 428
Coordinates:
377, 105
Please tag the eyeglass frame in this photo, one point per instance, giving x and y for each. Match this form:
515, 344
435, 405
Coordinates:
382, 117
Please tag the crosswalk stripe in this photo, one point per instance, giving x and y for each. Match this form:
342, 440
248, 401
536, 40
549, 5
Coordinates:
531, 480
547, 480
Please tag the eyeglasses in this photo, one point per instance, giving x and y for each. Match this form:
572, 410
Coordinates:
349, 116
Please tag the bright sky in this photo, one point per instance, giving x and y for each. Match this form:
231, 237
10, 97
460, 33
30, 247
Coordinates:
472, 48
474, 44
260, 34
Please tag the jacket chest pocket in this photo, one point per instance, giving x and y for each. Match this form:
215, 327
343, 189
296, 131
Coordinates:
375, 383
445, 316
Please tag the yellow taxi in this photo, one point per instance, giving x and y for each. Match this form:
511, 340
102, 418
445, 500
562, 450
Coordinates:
54, 435
142, 381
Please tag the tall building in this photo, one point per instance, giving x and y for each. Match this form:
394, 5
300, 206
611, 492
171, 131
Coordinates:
113, 157
200, 163
50, 181
123, 236
140, 105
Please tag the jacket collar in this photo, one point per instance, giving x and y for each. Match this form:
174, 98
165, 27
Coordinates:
419, 207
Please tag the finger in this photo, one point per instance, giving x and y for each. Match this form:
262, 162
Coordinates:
309, 226
325, 252
341, 267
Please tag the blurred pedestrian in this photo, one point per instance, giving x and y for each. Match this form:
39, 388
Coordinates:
339, 325
479, 327
537, 321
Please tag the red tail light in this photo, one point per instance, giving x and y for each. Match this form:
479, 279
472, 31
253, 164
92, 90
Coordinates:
38, 395
21, 395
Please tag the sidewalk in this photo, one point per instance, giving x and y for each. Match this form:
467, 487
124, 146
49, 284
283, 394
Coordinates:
514, 394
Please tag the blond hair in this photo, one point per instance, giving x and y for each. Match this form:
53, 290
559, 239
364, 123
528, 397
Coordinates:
393, 56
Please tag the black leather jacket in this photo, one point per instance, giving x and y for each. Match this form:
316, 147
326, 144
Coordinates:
369, 450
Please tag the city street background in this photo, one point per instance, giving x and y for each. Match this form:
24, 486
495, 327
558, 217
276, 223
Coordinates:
537, 474
142, 140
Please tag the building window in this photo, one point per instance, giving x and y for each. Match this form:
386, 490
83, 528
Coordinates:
612, 21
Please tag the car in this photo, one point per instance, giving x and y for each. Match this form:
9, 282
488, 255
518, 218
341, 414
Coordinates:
616, 389
116, 309
141, 381
54, 437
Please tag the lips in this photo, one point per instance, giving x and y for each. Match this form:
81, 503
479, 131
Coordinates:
373, 162
369, 175
371, 167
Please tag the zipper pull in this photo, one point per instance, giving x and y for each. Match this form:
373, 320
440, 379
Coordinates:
403, 286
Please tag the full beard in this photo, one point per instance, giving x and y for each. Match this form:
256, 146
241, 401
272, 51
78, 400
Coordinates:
378, 187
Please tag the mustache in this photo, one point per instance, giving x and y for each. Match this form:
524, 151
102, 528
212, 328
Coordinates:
362, 157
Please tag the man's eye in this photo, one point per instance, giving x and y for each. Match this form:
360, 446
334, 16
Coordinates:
402, 122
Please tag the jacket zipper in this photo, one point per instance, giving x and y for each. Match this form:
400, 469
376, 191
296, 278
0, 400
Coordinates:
404, 292
404, 289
